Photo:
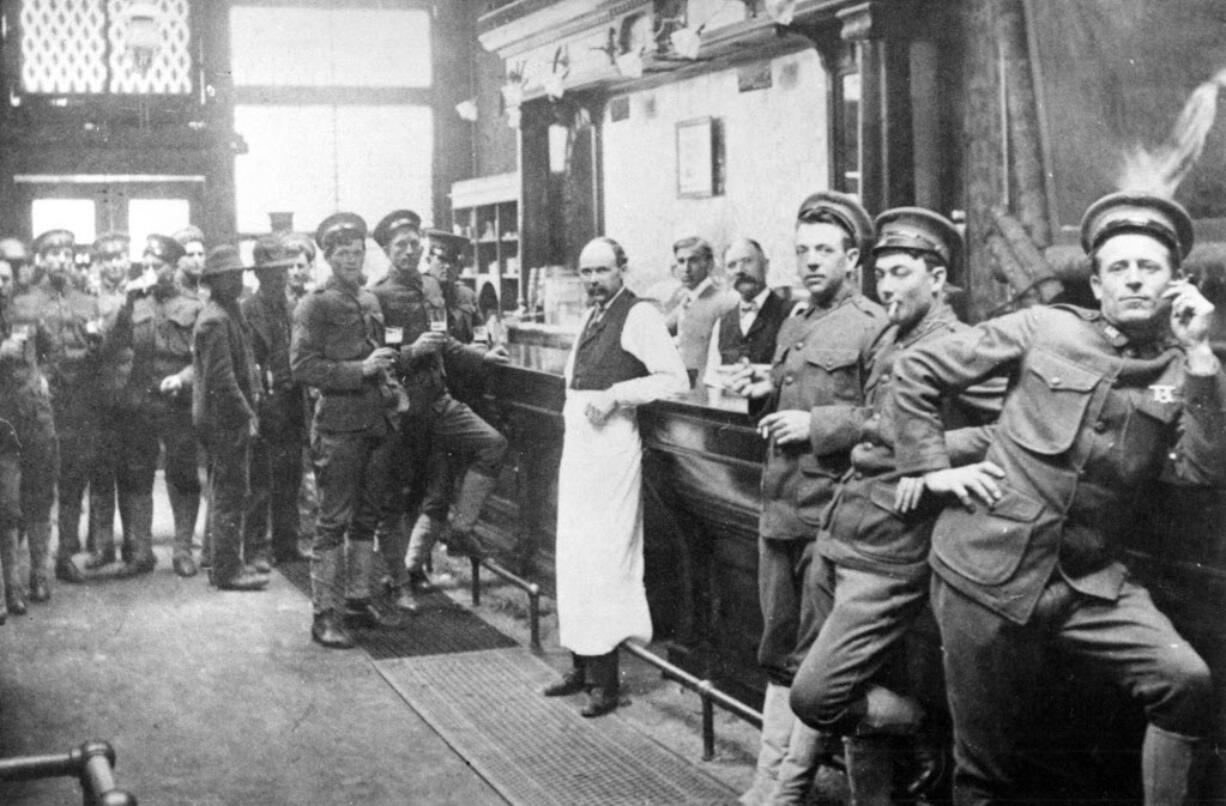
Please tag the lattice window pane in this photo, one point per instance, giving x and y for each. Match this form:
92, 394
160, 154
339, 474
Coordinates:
170, 73
63, 46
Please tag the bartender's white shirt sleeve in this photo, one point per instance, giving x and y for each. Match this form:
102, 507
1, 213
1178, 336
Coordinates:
646, 338
710, 375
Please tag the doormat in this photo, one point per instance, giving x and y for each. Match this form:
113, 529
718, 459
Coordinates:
539, 751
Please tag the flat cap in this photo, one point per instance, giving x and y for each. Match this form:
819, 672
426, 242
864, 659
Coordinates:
189, 234
111, 244
164, 248
844, 209
222, 259
395, 220
272, 252
336, 224
921, 230
1161, 218
446, 245
54, 239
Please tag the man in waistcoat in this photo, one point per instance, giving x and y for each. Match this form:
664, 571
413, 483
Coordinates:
820, 366
697, 304
746, 334
623, 358
1103, 404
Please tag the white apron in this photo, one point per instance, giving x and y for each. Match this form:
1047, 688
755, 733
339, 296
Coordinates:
601, 598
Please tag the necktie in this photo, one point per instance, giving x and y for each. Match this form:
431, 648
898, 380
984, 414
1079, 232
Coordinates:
593, 321
748, 309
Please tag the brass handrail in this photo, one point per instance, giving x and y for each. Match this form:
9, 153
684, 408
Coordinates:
92, 764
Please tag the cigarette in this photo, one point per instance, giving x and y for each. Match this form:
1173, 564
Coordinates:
893, 309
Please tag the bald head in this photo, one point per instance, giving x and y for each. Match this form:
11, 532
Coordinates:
602, 264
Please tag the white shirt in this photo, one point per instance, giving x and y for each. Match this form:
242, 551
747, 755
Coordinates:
747, 320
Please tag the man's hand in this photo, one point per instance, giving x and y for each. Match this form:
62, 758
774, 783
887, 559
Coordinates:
970, 482
171, 385
785, 427
1191, 314
600, 408
11, 348
497, 355
379, 360
908, 494
751, 381
429, 342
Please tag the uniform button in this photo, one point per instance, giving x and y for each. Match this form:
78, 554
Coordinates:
1100, 426
1055, 381
789, 379
859, 475
800, 345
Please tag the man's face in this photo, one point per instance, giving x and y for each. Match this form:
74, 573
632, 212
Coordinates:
225, 287
693, 266
112, 268
346, 261
1132, 272
57, 262
404, 249
272, 281
442, 265
164, 271
599, 272
192, 262
906, 286
300, 272
747, 268
6, 282
822, 262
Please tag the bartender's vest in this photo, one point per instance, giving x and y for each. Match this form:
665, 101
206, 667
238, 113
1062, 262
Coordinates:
600, 359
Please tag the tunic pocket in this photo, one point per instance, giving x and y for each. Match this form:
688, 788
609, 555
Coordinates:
842, 371
987, 546
1044, 414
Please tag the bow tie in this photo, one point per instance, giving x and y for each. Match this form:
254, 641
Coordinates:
748, 307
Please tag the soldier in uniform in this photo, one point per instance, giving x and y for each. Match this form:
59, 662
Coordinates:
439, 431
25, 404
191, 263
110, 253
73, 323
852, 682
225, 395
156, 410
338, 347
820, 366
276, 452
442, 259
1103, 404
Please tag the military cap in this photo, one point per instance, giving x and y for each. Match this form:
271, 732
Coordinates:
843, 208
396, 219
54, 239
444, 244
272, 252
335, 224
13, 251
1163, 219
921, 230
222, 259
111, 244
189, 234
164, 248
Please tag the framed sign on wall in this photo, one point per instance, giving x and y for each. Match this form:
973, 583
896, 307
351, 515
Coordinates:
699, 158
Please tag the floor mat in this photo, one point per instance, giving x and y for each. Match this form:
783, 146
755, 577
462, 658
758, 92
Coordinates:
539, 751
439, 627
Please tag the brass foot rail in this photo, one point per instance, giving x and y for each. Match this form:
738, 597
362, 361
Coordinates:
711, 697
531, 588
92, 763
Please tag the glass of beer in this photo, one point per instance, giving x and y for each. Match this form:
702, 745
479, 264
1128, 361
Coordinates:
393, 336
438, 318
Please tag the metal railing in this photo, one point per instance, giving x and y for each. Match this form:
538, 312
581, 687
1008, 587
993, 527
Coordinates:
92, 764
711, 697
531, 588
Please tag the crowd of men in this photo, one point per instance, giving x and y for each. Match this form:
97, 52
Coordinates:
917, 469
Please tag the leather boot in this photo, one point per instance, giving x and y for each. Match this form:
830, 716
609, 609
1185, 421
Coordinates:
392, 545
104, 548
101, 527
870, 769
38, 534
777, 720
244, 580
326, 629
140, 508
573, 680
360, 568
326, 580
463, 540
66, 571
603, 697
425, 534
185, 507
798, 767
14, 587
1166, 766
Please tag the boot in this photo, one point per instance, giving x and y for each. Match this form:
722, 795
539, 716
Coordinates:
326, 629
38, 534
572, 682
360, 568
392, 545
14, 593
870, 769
463, 539
325, 580
426, 531
66, 571
798, 768
185, 507
101, 526
603, 696
104, 548
777, 720
244, 580
1166, 765
140, 508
